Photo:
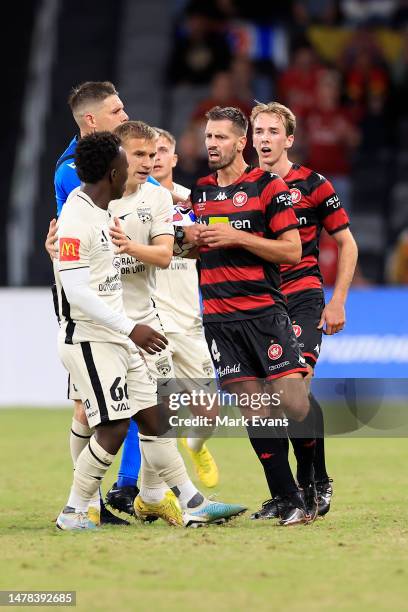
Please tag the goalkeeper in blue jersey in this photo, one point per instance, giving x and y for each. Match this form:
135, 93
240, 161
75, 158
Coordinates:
96, 107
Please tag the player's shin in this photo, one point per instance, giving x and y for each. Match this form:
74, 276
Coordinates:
90, 468
162, 455
79, 438
198, 436
303, 437
271, 451
130, 463
319, 458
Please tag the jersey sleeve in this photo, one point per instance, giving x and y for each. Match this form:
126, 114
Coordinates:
66, 179
277, 204
330, 211
162, 221
74, 245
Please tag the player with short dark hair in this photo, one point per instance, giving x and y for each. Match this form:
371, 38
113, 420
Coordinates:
247, 229
95, 106
94, 334
317, 206
94, 155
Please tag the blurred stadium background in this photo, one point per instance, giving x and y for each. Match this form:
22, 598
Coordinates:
341, 65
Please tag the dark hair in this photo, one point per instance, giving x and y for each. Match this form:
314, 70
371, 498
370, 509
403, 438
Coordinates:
91, 91
233, 114
94, 155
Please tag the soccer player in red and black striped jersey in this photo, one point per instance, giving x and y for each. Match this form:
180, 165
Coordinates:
247, 229
317, 206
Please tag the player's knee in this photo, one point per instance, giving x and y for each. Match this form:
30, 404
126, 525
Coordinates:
111, 435
299, 407
120, 428
79, 412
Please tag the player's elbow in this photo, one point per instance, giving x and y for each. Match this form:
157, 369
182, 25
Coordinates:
73, 295
294, 254
165, 259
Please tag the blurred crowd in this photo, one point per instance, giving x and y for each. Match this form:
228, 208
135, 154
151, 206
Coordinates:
340, 65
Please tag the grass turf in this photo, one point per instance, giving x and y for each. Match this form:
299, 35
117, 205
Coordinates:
354, 559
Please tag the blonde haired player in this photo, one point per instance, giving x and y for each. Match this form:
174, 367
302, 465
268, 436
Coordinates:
146, 242
147, 218
178, 302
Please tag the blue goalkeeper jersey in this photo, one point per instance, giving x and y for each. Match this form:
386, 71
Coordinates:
66, 178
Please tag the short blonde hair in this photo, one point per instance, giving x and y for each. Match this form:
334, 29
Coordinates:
135, 129
167, 135
275, 108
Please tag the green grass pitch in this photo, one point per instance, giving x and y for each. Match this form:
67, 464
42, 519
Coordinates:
354, 559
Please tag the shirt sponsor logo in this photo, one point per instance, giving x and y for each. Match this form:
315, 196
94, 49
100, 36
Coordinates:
240, 198
275, 351
237, 223
111, 283
295, 195
284, 198
333, 201
69, 249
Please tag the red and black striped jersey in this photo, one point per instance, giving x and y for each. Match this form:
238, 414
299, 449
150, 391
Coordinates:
235, 283
317, 206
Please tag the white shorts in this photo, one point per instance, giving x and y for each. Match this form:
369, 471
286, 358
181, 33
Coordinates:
73, 391
112, 382
191, 357
160, 365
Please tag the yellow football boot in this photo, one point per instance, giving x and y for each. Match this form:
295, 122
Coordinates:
204, 465
94, 515
168, 509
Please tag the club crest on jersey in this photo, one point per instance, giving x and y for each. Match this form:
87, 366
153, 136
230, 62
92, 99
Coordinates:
298, 330
208, 369
296, 195
275, 351
163, 366
240, 198
116, 262
144, 214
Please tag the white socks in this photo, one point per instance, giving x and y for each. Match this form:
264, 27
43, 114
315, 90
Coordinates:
91, 466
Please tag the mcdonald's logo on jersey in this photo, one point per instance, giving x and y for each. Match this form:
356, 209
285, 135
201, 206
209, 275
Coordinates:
69, 249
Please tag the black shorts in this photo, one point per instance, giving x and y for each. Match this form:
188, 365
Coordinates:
305, 310
262, 348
